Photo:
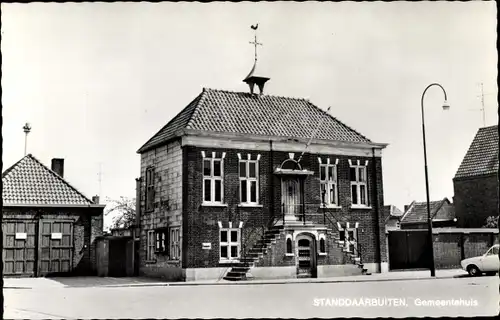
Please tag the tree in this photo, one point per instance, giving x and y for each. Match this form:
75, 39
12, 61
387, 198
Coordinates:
123, 211
491, 222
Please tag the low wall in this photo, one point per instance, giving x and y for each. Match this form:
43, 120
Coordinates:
452, 245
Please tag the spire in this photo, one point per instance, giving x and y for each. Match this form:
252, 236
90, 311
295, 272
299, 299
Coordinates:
254, 77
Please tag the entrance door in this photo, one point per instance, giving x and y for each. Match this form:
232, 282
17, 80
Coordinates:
18, 248
290, 195
118, 258
56, 246
306, 257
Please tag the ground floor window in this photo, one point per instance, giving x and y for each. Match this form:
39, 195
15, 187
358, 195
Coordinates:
229, 244
161, 240
175, 239
349, 236
322, 245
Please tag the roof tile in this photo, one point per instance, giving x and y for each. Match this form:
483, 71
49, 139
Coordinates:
418, 211
244, 113
482, 156
29, 182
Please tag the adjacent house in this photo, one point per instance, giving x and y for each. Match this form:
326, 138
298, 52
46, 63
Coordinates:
393, 217
244, 184
476, 181
48, 226
416, 216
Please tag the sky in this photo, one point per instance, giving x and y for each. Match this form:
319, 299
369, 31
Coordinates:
97, 80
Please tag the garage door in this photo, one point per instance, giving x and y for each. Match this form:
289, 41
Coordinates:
56, 247
18, 248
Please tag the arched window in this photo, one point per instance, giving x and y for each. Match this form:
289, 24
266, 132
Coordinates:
289, 245
322, 246
290, 164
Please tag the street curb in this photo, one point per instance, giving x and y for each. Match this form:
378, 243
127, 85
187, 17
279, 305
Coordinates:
244, 283
253, 282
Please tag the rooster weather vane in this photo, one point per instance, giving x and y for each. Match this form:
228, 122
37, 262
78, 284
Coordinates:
255, 43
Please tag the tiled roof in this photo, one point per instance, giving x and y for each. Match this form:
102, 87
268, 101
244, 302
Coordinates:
242, 113
482, 156
29, 182
391, 212
394, 211
417, 212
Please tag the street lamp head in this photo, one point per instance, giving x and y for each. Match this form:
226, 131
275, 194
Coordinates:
27, 128
446, 106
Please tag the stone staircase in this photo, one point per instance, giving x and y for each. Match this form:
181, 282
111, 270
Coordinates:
239, 269
354, 258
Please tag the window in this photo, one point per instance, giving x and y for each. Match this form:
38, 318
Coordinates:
150, 246
359, 191
212, 180
160, 240
348, 236
289, 246
328, 181
493, 251
229, 244
175, 249
150, 188
249, 181
322, 246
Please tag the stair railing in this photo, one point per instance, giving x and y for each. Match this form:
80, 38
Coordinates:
243, 253
357, 247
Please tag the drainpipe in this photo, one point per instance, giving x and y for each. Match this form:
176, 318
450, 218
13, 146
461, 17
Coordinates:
36, 266
271, 177
137, 202
377, 209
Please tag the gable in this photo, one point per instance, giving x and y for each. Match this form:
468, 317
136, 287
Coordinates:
482, 156
242, 113
29, 182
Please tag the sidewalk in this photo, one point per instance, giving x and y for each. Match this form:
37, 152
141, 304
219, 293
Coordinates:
73, 282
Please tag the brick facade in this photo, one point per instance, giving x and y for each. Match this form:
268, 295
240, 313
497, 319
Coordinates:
87, 226
476, 198
200, 222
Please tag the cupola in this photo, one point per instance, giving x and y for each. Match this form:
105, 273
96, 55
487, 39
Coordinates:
255, 77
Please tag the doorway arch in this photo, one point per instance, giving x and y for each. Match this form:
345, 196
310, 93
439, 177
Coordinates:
306, 256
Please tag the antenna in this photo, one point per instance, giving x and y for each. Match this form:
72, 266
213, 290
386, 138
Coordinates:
100, 178
482, 105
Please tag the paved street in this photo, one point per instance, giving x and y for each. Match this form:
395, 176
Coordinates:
297, 300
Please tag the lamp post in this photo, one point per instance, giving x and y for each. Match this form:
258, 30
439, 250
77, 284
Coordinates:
429, 219
27, 129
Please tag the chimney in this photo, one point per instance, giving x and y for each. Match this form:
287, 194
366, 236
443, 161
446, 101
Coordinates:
95, 199
58, 166
406, 207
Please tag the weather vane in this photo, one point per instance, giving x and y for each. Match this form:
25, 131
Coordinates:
255, 43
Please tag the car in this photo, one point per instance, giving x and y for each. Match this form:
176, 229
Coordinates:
488, 263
